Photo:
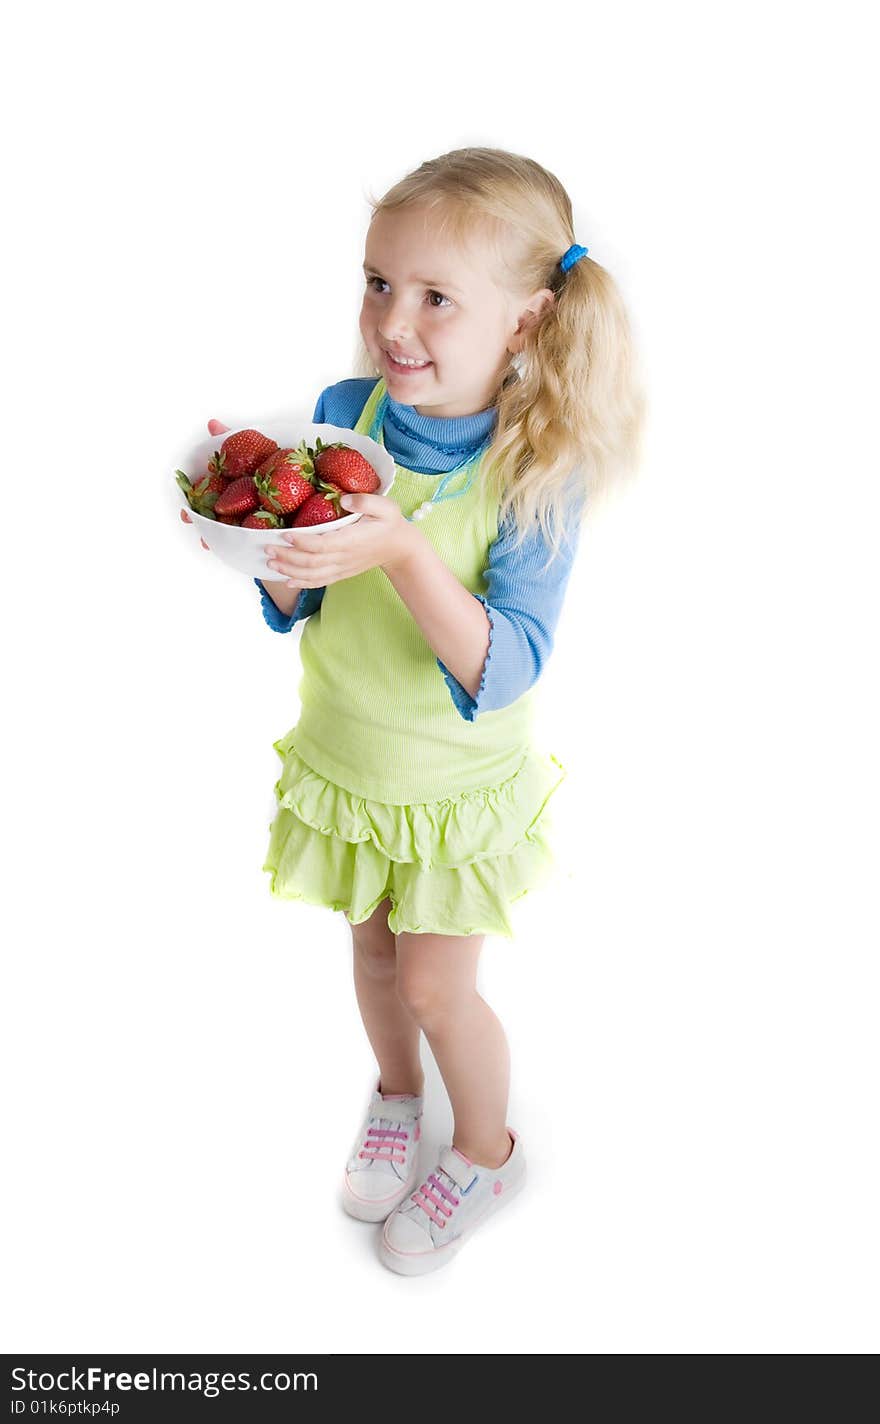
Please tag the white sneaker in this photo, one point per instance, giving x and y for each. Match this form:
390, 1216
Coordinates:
383, 1167
426, 1231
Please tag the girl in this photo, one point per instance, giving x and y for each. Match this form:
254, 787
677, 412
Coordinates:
411, 796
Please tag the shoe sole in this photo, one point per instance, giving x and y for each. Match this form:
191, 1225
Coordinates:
418, 1263
373, 1211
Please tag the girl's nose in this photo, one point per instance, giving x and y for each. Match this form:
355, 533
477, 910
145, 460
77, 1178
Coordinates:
394, 331
394, 325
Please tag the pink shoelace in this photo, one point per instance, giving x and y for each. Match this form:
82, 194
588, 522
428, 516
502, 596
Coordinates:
427, 1200
383, 1143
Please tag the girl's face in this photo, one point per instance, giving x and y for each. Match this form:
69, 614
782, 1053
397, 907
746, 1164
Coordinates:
437, 303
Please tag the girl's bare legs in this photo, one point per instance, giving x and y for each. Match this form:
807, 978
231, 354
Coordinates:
391, 1029
436, 981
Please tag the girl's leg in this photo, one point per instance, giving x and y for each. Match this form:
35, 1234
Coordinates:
436, 980
393, 1033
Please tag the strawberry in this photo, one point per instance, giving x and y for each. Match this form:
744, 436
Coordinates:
239, 497
202, 495
345, 468
285, 491
284, 481
300, 455
262, 519
241, 453
319, 508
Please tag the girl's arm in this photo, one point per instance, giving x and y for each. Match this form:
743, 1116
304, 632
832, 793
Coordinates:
283, 597
454, 623
525, 591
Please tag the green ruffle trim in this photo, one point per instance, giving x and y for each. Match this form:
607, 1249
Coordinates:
449, 867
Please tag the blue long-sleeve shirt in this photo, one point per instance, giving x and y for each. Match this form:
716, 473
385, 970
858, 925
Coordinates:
523, 600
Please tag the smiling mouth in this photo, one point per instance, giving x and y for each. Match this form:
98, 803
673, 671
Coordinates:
406, 365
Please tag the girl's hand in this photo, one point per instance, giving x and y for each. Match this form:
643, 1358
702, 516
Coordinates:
382, 538
216, 427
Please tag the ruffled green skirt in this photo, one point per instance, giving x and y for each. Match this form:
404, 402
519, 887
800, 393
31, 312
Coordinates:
448, 867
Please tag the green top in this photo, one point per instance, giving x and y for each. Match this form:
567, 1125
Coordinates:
377, 717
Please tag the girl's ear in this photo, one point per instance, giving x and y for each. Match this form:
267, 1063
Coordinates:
530, 316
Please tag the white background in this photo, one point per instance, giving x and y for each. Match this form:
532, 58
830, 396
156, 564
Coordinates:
692, 1010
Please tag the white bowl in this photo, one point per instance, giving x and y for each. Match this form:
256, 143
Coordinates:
241, 548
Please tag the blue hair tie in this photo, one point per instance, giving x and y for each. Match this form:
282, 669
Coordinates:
573, 255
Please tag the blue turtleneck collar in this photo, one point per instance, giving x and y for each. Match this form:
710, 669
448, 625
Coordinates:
430, 444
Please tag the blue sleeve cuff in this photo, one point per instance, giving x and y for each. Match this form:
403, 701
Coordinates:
468, 706
307, 603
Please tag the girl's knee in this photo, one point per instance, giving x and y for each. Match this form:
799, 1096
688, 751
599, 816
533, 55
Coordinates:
425, 991
436, 974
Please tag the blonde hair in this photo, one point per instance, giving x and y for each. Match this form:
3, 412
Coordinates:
570, 410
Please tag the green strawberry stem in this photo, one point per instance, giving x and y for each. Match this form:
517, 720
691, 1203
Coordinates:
204, 506
332, 493
304, 455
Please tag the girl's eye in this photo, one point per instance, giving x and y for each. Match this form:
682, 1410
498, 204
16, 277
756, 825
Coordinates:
383, 283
